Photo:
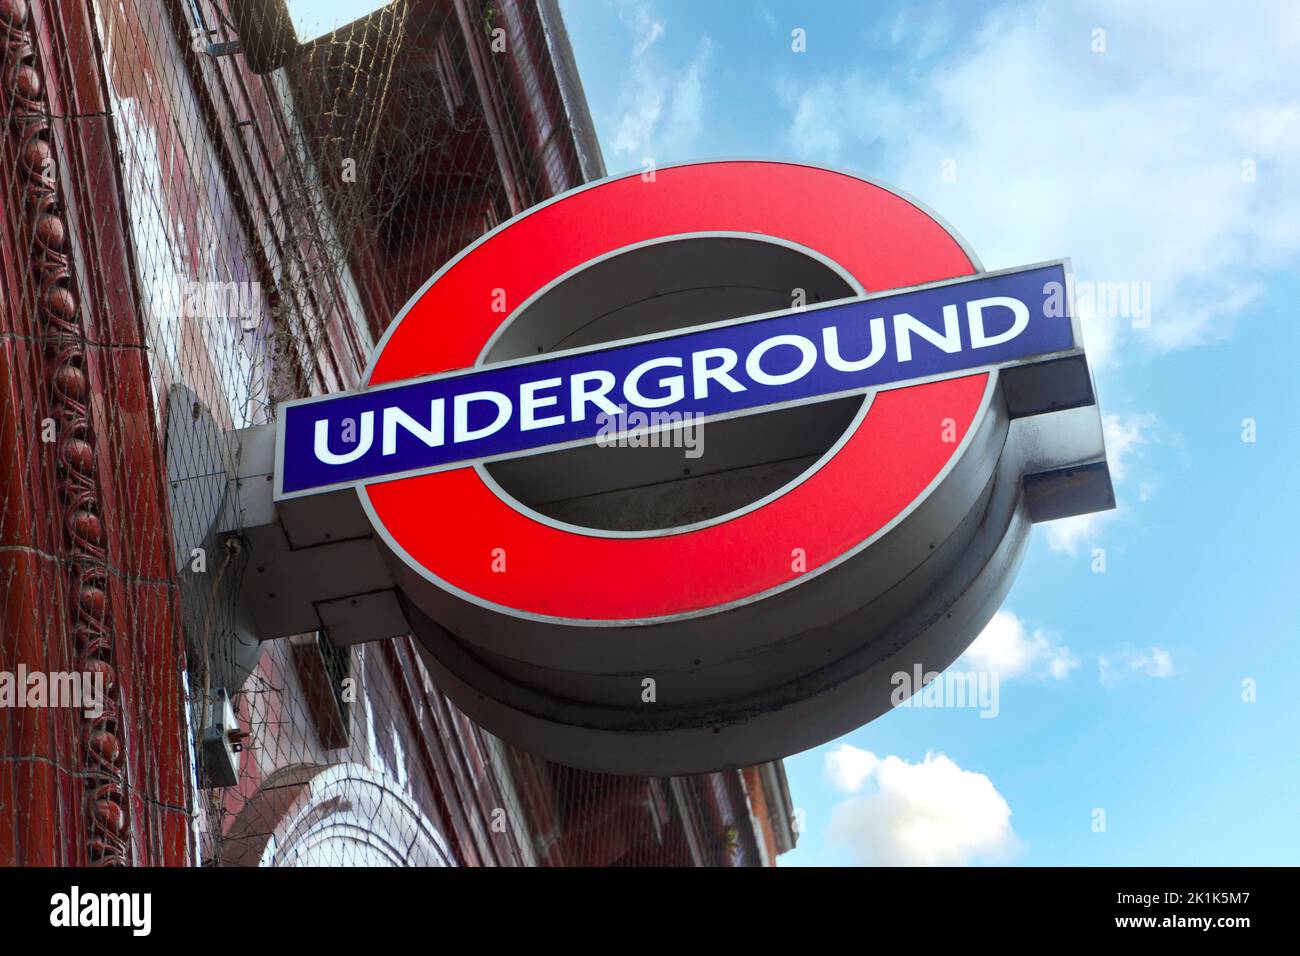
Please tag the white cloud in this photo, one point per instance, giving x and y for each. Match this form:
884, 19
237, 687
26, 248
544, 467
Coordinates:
649, 30
1069, 534
662, 102
923, 32
1130, 161
1006, 648
931, 813
1151, 662
1124, 435
850, 767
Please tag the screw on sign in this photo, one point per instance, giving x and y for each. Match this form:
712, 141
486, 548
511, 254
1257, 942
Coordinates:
872, 460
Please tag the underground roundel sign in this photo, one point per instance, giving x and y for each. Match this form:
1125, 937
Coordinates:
683, 470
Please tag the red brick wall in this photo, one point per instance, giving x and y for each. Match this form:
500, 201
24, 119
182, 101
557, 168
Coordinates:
170, 165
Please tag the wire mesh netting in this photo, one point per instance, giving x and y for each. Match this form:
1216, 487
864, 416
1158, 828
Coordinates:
271, 226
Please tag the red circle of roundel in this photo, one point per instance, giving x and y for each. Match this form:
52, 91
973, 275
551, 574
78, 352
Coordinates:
450, 523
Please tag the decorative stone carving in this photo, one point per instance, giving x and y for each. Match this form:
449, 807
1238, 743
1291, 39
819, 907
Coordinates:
58, 327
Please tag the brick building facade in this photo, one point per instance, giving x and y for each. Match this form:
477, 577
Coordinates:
187, 243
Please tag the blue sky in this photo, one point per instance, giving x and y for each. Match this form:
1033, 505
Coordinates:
1157, 147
